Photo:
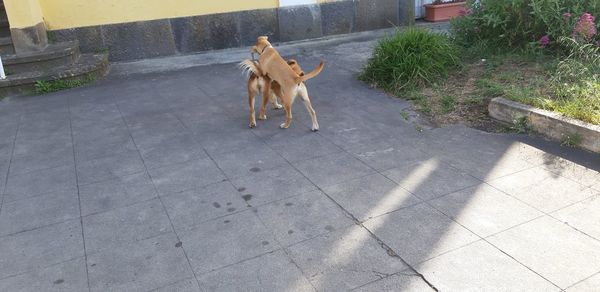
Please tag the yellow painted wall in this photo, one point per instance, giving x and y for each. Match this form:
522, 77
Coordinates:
23, 13
60, 14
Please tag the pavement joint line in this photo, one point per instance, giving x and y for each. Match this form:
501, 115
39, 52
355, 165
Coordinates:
164, 208
12, 153
386, 277
41, 268
384, 246
481, 238
283, 248
171, 283
583, 280
549, 214
78, 194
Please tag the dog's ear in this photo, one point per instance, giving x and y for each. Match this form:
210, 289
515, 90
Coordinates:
263, 37
302, 73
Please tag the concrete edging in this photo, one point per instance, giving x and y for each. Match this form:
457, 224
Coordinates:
550, 124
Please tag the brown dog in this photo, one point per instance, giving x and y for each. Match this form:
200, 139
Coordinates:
256, 83
292, 84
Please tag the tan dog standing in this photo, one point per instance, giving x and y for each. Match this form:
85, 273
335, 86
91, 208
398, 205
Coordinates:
292, 84
256, 84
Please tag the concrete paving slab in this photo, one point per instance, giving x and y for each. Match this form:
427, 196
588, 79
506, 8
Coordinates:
251, 160
419, 233
476, 267
344, 259
139, 266
225, 241
397, 282
269, 272
185, 176
485, 210
53, 180
552, 249
112, 229
431, 178
67, 276
302, 217
588, 285
191, 208
305, 147
39, 248
123, 191
583, 216
30, 213
110, 167
325, 171
187, 285
272, 185
170, 149
542, 189
370, 196
581, 174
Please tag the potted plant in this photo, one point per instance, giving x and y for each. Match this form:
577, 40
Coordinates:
443, 10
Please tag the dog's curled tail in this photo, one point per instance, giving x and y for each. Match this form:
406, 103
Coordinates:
250, 67
311, 74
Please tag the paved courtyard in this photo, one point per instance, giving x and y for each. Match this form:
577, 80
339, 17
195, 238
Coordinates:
155, 182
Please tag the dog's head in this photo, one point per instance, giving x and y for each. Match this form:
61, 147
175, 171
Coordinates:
261, 43
296, 67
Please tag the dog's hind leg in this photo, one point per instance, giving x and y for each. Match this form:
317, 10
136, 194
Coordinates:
266, 92
287, 105
311, 111
251, 94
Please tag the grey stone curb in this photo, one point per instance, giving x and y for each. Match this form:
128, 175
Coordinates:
548, 123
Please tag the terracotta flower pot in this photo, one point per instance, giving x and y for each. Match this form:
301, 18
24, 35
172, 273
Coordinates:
443, 12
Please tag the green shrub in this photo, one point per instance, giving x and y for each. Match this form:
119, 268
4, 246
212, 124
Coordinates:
410, 59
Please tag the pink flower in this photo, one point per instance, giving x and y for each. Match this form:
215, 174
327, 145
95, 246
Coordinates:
567, 14
544, 41
585, 27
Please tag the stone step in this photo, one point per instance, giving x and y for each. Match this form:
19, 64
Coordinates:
88, 65
54, 55
6, 46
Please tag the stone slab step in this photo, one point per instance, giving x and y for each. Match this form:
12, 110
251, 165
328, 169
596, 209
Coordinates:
6, 46
95, 65
54, 55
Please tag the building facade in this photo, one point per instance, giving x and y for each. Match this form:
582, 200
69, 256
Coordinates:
136, 29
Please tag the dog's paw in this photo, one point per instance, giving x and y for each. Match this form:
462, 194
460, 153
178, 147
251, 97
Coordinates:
252, 125
277, 106
262, 117
315, 129
283, 126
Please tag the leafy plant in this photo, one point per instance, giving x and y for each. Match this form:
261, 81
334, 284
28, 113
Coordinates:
573, 140
42, 86
410, 59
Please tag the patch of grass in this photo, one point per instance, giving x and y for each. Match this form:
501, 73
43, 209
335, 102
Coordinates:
405, 115
490, 88
42, 87
410, 59
421, 101
448, 103
573, 140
